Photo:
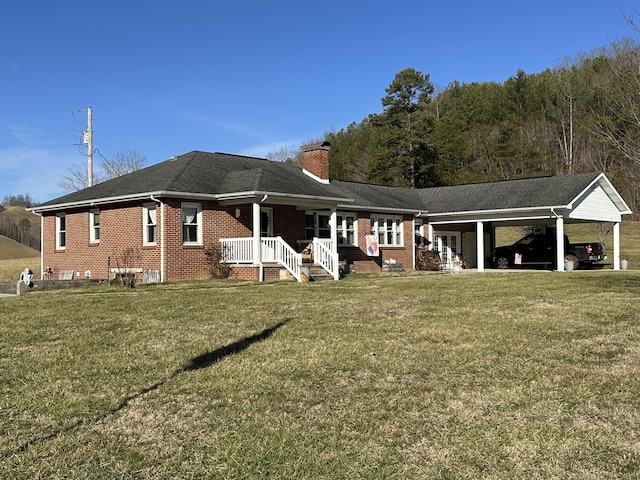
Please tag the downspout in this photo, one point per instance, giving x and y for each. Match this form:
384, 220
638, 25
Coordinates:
41, 246
154, 199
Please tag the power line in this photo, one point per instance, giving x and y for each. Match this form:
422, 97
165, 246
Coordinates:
40, 109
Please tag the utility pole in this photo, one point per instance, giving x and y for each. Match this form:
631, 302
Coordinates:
88, 139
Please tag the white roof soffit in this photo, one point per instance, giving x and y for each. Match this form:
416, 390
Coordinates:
100, 201
534, 213
279, 198
273, 197
397, 211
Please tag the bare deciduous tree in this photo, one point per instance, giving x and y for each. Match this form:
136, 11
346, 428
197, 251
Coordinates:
122, 163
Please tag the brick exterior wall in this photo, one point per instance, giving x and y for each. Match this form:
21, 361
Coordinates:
363, 263
121, 228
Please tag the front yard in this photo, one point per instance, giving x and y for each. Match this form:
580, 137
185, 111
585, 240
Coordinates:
516, 375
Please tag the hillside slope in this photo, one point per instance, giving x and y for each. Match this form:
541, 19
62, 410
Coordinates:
10, 249
20, 224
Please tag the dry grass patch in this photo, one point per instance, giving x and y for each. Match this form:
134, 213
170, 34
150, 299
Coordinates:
518, 375
10, 270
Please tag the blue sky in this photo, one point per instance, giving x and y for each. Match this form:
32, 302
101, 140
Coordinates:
247, 76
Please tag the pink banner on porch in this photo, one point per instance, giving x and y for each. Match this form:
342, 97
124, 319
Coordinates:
372, 245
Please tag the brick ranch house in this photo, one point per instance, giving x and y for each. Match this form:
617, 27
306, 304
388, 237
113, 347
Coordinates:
269, 217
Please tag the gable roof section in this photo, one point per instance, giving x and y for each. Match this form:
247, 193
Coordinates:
216, 175
532, 198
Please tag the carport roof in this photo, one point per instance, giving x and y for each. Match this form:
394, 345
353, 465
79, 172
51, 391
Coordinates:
530, 193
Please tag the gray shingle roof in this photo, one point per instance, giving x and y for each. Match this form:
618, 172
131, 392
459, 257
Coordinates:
219, 174
204, 173
512, 194
366, 195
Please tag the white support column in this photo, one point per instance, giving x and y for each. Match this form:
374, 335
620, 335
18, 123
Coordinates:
480, 245
256, 233
616, 246
429, 235
333, 221
560, 243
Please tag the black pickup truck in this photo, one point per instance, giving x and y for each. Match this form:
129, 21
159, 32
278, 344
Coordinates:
539, 250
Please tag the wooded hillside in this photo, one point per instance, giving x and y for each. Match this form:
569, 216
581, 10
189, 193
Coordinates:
582, 116
21, 225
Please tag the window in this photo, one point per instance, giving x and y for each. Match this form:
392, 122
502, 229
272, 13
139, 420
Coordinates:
149, 224
94, 226
388, 230
317, 225
61, 231
191, 224
346, 227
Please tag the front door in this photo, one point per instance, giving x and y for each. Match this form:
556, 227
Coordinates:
266, 230
448, 246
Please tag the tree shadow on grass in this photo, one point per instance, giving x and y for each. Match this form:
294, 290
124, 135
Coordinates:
197, 363
207, 359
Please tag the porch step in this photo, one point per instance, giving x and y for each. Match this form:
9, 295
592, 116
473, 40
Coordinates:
317, 273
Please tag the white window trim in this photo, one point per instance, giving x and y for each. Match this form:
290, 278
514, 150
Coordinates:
315, 213
342, 228
198, 207
59, 246
380, 223
92, 226
145, 225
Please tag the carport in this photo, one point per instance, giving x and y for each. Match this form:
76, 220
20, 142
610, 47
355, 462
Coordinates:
477, 209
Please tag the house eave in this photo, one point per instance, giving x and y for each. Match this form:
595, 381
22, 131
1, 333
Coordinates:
369, 208
496, 214
278, 197
98, 201
227, 198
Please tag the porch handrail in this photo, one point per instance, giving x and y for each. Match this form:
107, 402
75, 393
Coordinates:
273, 249
289, 258
325, 256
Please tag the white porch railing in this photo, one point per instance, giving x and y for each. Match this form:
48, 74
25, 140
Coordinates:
324, 255
237, 250
272, 250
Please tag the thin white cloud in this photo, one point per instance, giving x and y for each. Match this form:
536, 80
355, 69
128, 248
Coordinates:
21, 133
262, 150
34, 171
227, 126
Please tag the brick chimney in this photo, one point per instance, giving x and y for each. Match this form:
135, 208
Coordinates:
315, 160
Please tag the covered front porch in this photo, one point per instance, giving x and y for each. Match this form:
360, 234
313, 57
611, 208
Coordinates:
267, 247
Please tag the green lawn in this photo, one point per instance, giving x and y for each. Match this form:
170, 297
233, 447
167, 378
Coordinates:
501, 375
